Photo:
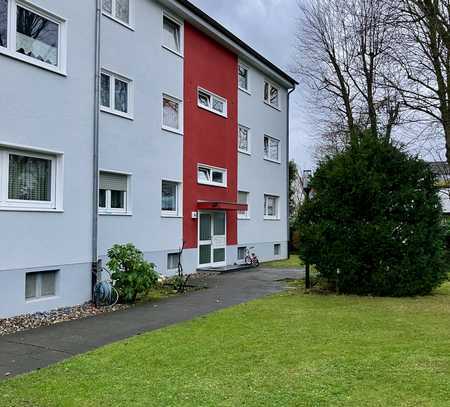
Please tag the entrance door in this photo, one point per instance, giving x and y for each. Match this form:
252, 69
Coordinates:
212, 239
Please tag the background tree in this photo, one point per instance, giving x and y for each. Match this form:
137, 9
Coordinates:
294, 197
376, 216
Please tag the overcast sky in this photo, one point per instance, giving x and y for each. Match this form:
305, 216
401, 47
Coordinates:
269, 26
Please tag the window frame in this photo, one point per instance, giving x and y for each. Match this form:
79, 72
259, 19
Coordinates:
107, 210
210, 107
245, 250
267, 101
172, 254
112, 86
179, 196
180, 130
10, 49
277, 248
244, 66
277, 207
267, 157
38, 288
240, 214
112, 15
249, 149
180, 23
212, 169
56, 181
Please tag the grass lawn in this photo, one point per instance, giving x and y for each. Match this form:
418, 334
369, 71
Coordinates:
293, 262
291, 349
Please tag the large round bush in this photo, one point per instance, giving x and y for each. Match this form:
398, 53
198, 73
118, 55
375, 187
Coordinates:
375, 215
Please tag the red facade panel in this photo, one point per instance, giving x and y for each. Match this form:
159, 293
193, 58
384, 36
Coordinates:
208, 138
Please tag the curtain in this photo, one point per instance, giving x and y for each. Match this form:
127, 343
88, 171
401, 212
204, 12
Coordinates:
107, 6
243, 139
170, 113
121, 96
29, 178
171, 35
169, 196
105, 90
123, 10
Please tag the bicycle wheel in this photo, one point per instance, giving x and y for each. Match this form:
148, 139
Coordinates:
248, 260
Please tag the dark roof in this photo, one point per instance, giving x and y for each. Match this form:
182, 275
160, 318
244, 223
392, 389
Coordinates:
219, 27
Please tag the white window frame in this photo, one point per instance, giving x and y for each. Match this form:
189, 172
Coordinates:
127, 211
180, 130
179, 200
10, 49
277, 209
172, 254
267, 101
112, 16
246, 215
246, 90
57, 178
179, 22
111, 109
275, 247
249, 149
212, 96
245, 252
211, 169
39, 296
267, 157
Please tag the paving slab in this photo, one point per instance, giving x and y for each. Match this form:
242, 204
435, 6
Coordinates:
37, 348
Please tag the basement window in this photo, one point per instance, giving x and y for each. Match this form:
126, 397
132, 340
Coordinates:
40, 284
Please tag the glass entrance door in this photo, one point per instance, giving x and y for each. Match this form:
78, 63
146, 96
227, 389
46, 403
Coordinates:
212, 239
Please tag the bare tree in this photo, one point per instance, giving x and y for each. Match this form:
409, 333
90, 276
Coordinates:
343, 50
422, 63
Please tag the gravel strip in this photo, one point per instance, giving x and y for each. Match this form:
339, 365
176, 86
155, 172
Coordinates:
39, 319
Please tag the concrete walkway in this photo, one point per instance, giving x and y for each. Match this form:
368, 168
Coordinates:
41, 347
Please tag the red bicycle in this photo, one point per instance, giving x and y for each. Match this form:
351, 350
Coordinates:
250, 258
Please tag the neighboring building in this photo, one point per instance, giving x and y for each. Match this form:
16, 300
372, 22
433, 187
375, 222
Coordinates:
192, 144
442, 171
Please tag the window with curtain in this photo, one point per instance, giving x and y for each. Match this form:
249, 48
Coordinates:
172, 261
171, 113
118, 9
40, 284
113, 188
115, 93
271, 206
243, 77
169, 198
271, 149
241, 252
244, 139
171, 34
29, 178
243, 199
271, 94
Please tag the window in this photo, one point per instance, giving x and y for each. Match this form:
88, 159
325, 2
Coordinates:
33, 35
212, 176
271, 95
115, 94
172, 34
271, 207
212, 102
170, 198
243, 199
276, 249
113, 189
172, 114
271, 149
40, 284
243, 77
172, 261
241, 253
117, 9
244, 140
29, 180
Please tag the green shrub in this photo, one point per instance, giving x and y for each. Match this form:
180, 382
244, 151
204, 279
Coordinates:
132, 274
375, 214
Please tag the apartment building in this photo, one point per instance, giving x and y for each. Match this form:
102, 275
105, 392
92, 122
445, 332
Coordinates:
136, 121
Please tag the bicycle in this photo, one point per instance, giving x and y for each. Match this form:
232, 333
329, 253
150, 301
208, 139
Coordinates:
250, 258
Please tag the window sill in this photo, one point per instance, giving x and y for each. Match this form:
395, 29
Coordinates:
211, 184
173, 131
179, 54
41, 299
272, 106
130, 27
104, 213
243, 217
24, 209
271, 218
245, 91
272, 161
171, 215
32, 61
244, 152
117, 113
